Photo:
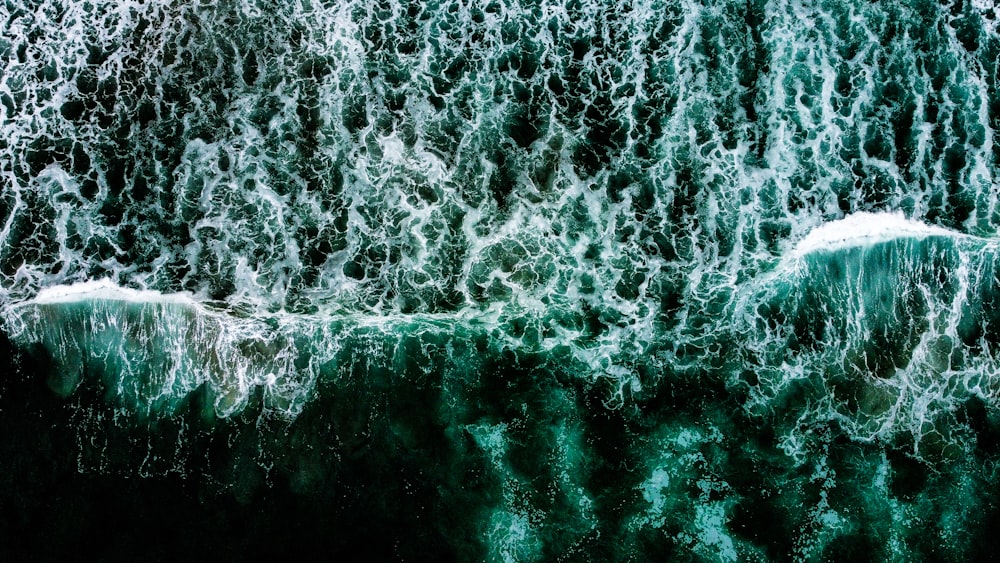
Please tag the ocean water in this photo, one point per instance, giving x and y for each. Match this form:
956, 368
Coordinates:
500, 280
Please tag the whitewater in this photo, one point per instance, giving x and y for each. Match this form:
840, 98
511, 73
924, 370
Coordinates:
519, 280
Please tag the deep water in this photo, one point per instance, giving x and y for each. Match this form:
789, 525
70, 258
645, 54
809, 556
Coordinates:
499, 280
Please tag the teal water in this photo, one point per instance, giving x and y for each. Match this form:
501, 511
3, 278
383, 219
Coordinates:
505, 281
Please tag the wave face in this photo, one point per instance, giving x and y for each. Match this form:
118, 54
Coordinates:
506, 281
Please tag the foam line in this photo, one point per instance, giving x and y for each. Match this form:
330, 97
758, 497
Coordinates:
105, 289
865, 229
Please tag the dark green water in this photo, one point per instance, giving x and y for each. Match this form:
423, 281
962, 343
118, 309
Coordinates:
499, 281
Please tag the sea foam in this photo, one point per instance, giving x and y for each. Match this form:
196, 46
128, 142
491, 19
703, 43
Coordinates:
105, 289
863, 229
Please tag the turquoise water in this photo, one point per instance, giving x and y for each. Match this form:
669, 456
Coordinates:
506, 281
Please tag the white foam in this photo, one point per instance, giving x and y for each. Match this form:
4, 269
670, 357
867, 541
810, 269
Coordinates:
105, 289
864, 229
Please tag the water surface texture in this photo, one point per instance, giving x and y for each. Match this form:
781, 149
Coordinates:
500, 280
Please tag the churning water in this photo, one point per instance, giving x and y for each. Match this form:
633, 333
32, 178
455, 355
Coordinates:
507, 280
